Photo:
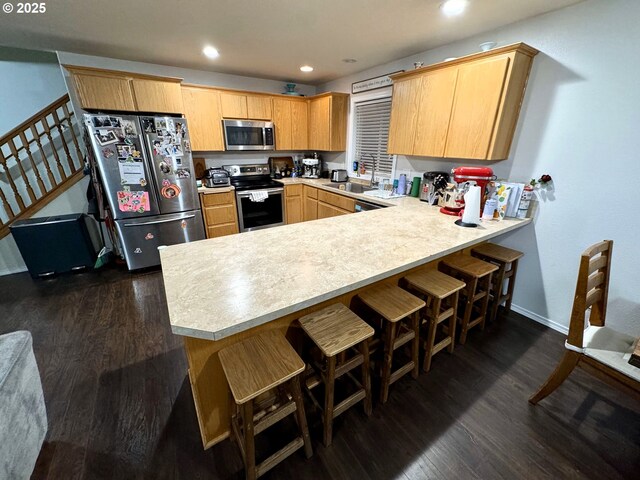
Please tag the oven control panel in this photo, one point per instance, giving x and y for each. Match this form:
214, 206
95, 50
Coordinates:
241, 170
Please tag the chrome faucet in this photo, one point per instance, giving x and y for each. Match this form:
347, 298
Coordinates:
373, 182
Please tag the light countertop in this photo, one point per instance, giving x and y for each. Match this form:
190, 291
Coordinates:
221, 286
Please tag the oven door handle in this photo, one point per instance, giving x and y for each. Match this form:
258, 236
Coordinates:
270, 190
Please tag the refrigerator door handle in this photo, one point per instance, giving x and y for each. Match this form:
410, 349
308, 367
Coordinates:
159, 221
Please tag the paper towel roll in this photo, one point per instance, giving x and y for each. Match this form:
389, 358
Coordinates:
472, 206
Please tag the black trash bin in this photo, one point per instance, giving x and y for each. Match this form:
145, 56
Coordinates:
57, 244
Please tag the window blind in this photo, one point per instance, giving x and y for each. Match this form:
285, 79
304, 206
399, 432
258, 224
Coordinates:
372, 134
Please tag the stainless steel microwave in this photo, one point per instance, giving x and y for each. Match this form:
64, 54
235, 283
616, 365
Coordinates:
248, 135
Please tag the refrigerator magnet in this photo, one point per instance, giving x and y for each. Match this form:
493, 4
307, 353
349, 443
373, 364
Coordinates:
161, 124
101, 122
148, 236
171, 191
171, 126
143, 182
183, 173
133, 201
148, 125
116, 121
166, 183
124, 151
165, 168
183, 224
108, 152
181, 129
137, 250
129, 128
187, 146
106, 137
128, 141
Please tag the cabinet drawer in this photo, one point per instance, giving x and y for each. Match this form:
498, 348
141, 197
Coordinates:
213, 199
293, 190
220, 214
310, 192
339, 201
222, 230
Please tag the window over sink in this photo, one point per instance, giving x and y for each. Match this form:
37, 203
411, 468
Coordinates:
369, 133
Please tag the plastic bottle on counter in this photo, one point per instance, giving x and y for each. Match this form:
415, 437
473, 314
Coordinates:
402, 185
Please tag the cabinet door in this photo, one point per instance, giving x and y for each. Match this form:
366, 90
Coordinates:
233, 105
202, 110
475, 109
293, 209
434, 112
319, 110
310, 209
157, 96
104, 92
404, 116
282, 123
299, 125
325, 210
259, 107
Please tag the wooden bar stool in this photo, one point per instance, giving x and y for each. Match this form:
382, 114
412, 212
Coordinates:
400, 313
336, 330
253, 367
477, 275
503, 257
441, 292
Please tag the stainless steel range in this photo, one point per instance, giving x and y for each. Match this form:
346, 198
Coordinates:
260, 199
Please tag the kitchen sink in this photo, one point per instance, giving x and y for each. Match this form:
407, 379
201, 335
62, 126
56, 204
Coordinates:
350, 187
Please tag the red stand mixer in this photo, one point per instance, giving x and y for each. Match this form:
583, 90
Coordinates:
452, 199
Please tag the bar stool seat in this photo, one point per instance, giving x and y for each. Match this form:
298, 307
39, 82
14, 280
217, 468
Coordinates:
397, 307
477, 276
335, 330
507, 261
441, 292
253, 367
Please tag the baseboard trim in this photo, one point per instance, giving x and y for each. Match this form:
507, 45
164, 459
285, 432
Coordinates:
540, 319
11, 271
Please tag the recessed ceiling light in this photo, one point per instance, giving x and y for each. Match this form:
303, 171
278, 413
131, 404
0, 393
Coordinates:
306, 68
349, 60
210, 52
454, 7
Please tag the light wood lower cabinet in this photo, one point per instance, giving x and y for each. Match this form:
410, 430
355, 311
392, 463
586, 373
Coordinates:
202, 111
310, 208
293, 207
220, 213
338, 201
325, 210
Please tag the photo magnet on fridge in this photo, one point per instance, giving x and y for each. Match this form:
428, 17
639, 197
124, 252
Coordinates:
161, 124
101, 122
106, 137
116, 121
181, 129
171, 126
148, 125
129, 128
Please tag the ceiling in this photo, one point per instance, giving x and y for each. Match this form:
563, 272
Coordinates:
267, 38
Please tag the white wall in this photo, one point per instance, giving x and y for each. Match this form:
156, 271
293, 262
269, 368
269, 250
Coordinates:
30, 81
579, 123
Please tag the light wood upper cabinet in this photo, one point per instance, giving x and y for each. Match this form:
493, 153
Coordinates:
290, 120
99, 89
464, 108
434, 111
104, 92
328, 122
478, 95
202, 111
157, 96
239, 105
404, 115
233, 105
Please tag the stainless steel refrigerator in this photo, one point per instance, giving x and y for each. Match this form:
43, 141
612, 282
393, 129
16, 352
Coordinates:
147, 175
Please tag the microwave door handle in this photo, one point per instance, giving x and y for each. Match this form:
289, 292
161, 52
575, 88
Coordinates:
154, 222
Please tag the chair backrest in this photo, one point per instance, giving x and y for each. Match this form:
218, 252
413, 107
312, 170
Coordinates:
592, 289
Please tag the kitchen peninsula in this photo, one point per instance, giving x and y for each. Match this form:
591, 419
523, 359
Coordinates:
222, 290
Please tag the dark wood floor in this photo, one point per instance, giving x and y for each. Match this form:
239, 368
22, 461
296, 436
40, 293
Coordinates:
120, 406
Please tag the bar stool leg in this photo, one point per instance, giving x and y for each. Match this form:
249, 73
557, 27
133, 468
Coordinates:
415, 343
431, 334
387, 361
496, 286
468, 309
453, 320
512, 283
366, 377
329, 384
484, 306
296, 392
249, 443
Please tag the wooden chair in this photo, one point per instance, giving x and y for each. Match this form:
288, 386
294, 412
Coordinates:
400, 314
336, 331
507, 261
477, 275
599, 349
253, 367
441, 294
